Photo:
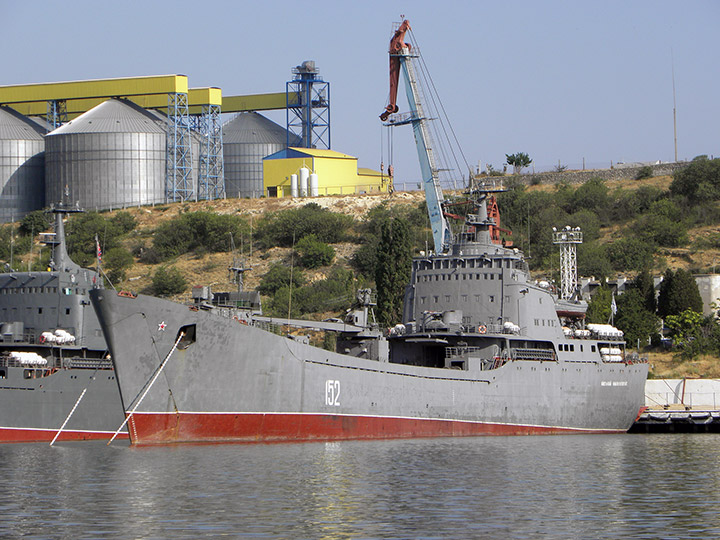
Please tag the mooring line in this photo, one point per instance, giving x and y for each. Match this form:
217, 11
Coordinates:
155, 376
69, 415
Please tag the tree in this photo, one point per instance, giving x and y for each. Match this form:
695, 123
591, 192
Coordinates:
168, 281
519, 161
698, 181
34, 223
645, 284
392, 271
117, 260
678, 292
598, 310
638, 324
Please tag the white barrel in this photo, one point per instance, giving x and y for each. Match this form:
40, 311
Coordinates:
304, 172
293, 185
314, 186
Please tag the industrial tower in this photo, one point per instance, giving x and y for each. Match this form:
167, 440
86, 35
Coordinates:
308, 107
567, 239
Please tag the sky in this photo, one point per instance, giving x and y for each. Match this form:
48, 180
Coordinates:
563, 81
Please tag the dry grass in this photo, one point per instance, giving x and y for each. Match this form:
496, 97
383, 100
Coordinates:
666, 365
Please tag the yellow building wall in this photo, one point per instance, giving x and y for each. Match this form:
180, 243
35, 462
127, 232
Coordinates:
336, 176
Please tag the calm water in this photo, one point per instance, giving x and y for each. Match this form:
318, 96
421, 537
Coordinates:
621, 486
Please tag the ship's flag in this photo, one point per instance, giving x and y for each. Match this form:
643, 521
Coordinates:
613, 305
97, 248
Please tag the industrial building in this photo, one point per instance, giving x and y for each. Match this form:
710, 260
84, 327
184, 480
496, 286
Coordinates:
309, 172
143, 140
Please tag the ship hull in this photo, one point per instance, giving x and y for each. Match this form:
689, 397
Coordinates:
235, 382
34, 409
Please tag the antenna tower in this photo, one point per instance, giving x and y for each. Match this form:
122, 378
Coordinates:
567, 239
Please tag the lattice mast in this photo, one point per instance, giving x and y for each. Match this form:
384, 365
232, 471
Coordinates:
567, 239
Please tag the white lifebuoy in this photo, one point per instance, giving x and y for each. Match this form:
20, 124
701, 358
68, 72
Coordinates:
482, 329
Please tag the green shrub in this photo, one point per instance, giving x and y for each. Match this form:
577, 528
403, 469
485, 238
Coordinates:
116, 262
289, 226
313, 253
124, 222
278, 276
699, 181
630, 253
197, 231
35, 222
168, 281
644, 172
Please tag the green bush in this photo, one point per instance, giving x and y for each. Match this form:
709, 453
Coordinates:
124, 222
661, 230
699, 181
289, 226
644, 172
81, 232
278, 276
630, 253
197, 231
116, 262
334, 293
168, 281
313, 253
35, 222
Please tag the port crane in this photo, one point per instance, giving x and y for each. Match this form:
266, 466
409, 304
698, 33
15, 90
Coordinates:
402, 61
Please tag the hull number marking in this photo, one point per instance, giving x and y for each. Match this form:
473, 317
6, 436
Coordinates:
332, 393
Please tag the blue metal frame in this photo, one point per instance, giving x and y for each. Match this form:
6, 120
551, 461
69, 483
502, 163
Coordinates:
211, 176
56, 112
308, 117
178, 173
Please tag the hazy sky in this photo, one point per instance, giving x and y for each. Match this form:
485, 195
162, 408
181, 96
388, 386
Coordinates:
560, 80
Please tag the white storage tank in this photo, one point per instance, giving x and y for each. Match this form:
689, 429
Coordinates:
294, 185
313, 184
303, 175
22, 165
112, 156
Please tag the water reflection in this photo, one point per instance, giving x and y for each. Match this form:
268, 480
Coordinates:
639, 486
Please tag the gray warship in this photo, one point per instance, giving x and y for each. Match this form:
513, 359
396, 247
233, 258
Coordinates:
482, 349
56, 382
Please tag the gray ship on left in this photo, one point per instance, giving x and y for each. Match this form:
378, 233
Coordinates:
57, 381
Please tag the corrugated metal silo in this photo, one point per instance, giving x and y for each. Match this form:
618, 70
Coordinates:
112, 156
247, 139
22, 165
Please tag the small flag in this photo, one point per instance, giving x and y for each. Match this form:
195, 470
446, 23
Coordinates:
613, 305
97, 247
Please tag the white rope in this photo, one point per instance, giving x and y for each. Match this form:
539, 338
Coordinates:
68, 416
157, 374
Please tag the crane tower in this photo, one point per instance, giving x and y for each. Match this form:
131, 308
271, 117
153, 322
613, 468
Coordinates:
567, 239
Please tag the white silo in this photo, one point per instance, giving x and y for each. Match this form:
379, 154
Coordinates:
293, 185
112, 156
22, 165
247, 139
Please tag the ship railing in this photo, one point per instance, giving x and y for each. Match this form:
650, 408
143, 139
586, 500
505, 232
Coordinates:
542, 355
8, 361
456, 352
27, 337
87, 363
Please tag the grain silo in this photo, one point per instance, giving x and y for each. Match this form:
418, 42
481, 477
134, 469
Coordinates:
247, 139
22, 165
112, 156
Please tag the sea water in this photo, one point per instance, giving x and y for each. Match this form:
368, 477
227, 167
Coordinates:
594, 486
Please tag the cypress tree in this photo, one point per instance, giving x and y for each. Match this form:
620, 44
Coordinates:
678, 292
392, 271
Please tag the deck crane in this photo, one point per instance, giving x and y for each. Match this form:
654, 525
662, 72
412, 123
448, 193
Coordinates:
401, 60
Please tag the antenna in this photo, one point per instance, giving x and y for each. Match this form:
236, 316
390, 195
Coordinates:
672, 64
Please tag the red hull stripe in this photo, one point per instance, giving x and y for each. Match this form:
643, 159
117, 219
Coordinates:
163, 428
23, 435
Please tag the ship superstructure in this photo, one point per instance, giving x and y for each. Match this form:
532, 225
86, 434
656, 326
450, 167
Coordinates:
52, 350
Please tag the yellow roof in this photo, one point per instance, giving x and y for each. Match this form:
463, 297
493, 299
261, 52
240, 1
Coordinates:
363, 171
316, 152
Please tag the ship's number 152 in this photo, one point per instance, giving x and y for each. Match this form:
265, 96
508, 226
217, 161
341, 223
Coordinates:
332, 393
